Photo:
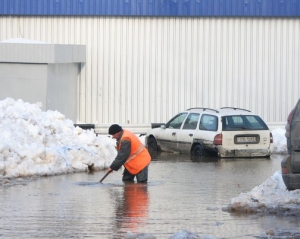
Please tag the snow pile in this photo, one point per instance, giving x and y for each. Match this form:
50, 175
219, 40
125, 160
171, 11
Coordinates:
279, 141
33, 142
23, 40
271, 196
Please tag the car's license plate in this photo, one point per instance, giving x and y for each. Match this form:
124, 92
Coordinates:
246, 139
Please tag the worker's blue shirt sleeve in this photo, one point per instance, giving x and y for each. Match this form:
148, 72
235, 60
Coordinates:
122, 156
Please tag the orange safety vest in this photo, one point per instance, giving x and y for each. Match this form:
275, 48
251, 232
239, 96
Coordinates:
139, 156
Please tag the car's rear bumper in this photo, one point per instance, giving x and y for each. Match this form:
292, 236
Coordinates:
234, 153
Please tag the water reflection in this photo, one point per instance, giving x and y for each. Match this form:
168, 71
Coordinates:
180, 194
206, 159
132, 206
174, 157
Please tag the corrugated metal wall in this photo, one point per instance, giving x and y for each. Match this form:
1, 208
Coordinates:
143, 70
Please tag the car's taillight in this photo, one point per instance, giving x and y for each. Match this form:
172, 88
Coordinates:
271, 138
218, 139
284, 171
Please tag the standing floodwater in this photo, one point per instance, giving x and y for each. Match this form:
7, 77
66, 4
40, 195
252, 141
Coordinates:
180, 194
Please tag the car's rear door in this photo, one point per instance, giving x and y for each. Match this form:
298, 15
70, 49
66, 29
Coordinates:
168, 137
208, 127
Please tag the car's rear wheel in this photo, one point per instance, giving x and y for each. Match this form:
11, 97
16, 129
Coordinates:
198, 152
152, 147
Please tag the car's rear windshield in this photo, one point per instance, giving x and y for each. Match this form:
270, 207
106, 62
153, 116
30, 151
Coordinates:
243, 122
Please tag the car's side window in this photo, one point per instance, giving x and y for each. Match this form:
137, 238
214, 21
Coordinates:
175, 122
208, 122
191, 121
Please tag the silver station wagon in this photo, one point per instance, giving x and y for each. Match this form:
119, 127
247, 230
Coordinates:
224, 132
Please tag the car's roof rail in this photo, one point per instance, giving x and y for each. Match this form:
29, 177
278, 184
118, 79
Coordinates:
203, 109
234, 108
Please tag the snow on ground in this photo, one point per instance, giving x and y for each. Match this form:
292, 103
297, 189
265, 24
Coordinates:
269, 197
279, 141
23, 40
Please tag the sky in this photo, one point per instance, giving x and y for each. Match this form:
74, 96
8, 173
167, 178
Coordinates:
37, 143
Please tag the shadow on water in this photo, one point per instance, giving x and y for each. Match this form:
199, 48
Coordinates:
174, 157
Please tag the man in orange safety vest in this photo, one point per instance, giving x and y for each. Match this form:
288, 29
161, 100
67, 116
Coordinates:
132, 154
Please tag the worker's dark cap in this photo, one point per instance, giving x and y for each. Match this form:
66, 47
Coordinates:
115, 128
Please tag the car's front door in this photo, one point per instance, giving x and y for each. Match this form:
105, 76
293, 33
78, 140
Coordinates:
168, 138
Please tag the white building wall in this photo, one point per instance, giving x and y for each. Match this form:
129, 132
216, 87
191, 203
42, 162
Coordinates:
145, 70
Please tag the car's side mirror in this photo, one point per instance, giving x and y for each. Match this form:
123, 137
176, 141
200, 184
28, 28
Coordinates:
163, 126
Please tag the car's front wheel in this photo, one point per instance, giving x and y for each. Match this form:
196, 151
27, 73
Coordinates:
152, 147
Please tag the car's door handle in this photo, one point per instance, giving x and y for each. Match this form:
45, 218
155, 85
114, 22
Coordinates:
173, 133
191, 135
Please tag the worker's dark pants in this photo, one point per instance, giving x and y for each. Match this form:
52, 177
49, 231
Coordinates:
140, 177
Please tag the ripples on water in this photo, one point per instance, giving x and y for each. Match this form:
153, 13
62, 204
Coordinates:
180, 194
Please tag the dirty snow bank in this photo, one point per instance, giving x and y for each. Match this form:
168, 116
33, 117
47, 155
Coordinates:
271, 196
33, 142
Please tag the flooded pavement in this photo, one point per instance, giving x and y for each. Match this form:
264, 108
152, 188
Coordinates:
180, 195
